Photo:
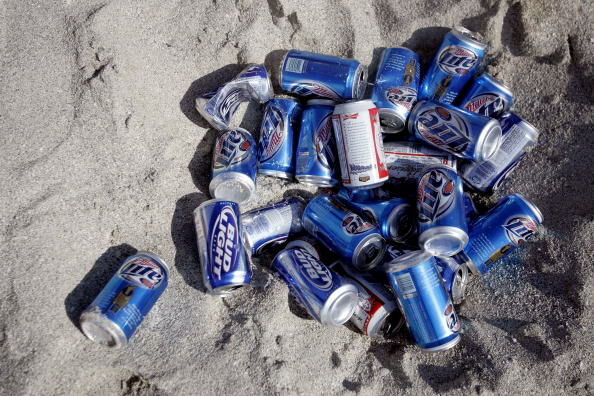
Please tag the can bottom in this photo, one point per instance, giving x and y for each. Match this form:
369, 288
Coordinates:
443, 347
369, 252
391, 120
98, 328
318, 181
232, 186
340, 306
443, 241
276, 173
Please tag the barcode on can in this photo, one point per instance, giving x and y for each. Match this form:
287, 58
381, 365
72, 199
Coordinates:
294, 65
406, 286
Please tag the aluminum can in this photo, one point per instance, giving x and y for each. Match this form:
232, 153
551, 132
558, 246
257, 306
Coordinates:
459, 132
509, 224
469, 208
357, 241
276, 148
407, 160
309, 74
115, 314
440, 206
488, 96
317, 164
272, 225
454, 273
395, 89
356, 195
223, 259
456, 61
518, 137
359, 144
394, 252
218, 106
234, 166
328, 297
424, 301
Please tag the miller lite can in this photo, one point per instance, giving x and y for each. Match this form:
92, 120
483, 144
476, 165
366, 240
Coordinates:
234, 166
518, 138
456, 61
424, 301
395, 89
407, 160
454, 274
329, 298
509, 224
276, 147
315, 75
440, 206
223, 259
488, 96
459, 132
356, 240
115, 314
360, 145
317, 164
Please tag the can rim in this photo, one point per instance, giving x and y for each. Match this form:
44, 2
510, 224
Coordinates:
88, 320
532, 207
241, 178
385, 112
152, 256
448, 345
430, 234
363, 102
407, 260
468, 36
347, 290
490, 128
398, 209
368, 240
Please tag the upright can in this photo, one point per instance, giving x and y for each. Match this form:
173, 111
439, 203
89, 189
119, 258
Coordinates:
276, 148
518, 137
310, 74
234, 166
395, 89
488, 96
456, 61
360, 145
223, 259
357, 241
424, 301
454, 273
317, 164
407, 160
459, 132
440, 206
115, 314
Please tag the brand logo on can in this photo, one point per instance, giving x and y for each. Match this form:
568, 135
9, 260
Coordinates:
354, 224
253, 71
486, 104
272, 133
232, 147
451, 318
520, 229
313, 88
456, 59
353, 116
142, 272
323, 142
435, 196
403, 96
229, 103
443, 128
224, 242
311, 268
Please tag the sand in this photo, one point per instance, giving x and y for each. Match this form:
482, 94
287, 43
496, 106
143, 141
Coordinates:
103, 154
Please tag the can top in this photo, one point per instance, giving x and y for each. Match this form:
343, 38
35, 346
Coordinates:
501, 86
489, 141
530, 205
153, 256
354, 105
325, 102
397, 230
443, 240
408, 260
473, 38
369, 252
360, 82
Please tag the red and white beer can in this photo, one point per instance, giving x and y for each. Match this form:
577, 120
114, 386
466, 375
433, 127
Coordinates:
359, 144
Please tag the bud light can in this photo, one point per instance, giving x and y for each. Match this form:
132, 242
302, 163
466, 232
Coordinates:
454, 274
310, 75
359, 144
234, 166
224, 262
407, 160
276, 148
395, 89
272, 224
518, 137
509, 224
424, 301
357, 241
440, 206
115, 314
459, 132
317, 164
454, 64
488, 96
328, 297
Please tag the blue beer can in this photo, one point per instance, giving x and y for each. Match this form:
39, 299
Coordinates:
469, 208
317, 162
329, 298
424, 301
276, 149
395, 89
509, 224
356, 240
454, 273
488, 96
115, 314
459, 132
234, 166
456, 61
440, 206
310, 75
223, 259
358, 195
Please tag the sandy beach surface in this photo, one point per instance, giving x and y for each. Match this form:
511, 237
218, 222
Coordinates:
104, 154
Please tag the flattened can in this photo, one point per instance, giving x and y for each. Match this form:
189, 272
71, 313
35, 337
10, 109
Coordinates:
115, 314
309, 74
317, 164
234, 166
359, 144
459, 132
454, 274
223, 259
488, 96
276, 148
395, 89
407, 160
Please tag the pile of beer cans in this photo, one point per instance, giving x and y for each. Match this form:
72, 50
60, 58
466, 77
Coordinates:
394, 233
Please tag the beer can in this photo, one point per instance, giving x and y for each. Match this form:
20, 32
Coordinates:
488, 96
470, 210
356, 195
407, 160
454, 273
